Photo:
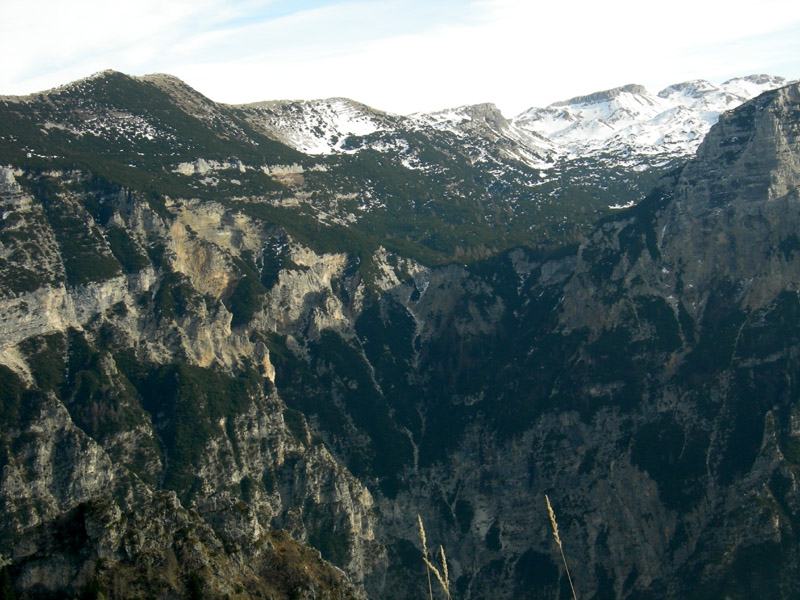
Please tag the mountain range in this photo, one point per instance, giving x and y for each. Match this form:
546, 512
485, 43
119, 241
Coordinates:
624, 120
247, 349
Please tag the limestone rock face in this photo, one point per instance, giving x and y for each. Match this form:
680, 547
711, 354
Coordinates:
73, 520
736, 203
123, 426
729, 216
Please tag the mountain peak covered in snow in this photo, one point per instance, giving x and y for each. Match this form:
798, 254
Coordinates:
690, 89
604, 95
630, 120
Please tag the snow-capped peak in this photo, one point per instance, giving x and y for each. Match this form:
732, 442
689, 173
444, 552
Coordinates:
630, 120
604, 96
487, 113
627, 124
597, 116
484, 124
752, 85
688, 89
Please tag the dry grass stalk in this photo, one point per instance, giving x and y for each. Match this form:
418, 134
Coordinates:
444, 568
558, 541
443, 581
425, 555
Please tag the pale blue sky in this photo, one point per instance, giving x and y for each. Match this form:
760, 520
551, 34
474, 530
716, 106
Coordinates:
398, 55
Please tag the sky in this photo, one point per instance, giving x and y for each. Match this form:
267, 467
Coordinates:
400, 56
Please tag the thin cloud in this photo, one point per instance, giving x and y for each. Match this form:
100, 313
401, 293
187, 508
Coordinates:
399, 55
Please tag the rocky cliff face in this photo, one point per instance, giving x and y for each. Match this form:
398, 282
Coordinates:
142, 383
199, 386
650, 392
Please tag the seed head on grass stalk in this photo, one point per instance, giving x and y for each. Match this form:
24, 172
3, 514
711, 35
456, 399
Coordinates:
554, 524
425, 555
446, 574
443, 581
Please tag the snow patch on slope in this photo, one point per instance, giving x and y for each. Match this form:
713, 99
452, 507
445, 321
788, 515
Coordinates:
484, 123
316, 126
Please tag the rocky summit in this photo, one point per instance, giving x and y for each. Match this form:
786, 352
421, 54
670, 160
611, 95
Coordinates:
248, 351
